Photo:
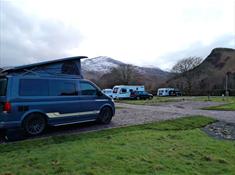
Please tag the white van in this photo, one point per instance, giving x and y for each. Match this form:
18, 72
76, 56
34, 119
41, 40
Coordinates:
124, 91
168, 92
108, 92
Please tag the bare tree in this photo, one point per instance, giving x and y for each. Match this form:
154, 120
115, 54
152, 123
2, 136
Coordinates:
186, 64
183, 68
125, 74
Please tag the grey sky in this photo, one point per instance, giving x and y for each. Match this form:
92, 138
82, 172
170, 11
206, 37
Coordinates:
142, 32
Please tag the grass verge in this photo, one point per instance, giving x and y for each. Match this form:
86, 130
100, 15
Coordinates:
154, 101
230, 99
158, 100
170, 147
226, 107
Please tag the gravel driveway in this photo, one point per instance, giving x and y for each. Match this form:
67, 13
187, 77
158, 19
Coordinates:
143, 113
138, 114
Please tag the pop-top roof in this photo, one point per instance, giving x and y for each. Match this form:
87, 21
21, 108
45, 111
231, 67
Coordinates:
64, 66
44, 63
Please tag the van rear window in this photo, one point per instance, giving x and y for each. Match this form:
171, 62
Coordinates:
3, 86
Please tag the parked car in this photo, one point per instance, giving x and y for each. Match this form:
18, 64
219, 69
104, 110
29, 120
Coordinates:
141, 95
168, 92
175, 93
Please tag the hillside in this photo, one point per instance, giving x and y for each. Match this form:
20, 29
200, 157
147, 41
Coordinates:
100, 64
220, 61
210, 75
95, 68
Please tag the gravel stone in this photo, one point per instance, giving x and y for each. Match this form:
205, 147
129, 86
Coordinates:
221, 130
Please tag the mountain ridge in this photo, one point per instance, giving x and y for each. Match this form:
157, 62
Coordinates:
209, 76
101, 65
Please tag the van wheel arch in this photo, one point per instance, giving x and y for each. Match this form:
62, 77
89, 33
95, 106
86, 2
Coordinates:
108, 118
107, 107
34, 115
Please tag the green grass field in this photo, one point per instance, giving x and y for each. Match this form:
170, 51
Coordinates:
159, 100
169, 147
226, 107
229, 106
154, 101
230, 99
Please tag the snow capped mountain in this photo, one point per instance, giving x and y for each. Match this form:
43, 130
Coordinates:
100, 64
152, 71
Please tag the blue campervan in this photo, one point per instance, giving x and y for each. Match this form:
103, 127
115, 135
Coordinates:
50, 93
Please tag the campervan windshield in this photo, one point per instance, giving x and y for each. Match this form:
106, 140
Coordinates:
115, 90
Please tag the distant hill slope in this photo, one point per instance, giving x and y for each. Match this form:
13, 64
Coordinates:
220, 61
94, 68
210, 75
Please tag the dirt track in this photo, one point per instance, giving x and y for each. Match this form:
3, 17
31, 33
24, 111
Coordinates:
141, 113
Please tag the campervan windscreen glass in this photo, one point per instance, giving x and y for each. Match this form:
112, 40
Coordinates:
115, 90
3, 86
87, 89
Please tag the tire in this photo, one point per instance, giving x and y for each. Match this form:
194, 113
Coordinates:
137, 98
105, 115
34, 124
150, 98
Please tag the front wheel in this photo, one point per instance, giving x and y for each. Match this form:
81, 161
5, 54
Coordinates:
105, 115
34, 124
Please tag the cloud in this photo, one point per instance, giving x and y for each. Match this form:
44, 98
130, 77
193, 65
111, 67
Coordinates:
137, 32
26, 38
198, 49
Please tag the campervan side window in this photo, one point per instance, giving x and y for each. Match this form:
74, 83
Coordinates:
63, 88
70, 68
123, 90
33, 87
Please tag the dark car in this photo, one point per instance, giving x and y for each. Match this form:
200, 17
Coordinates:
141, 95
175, 93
